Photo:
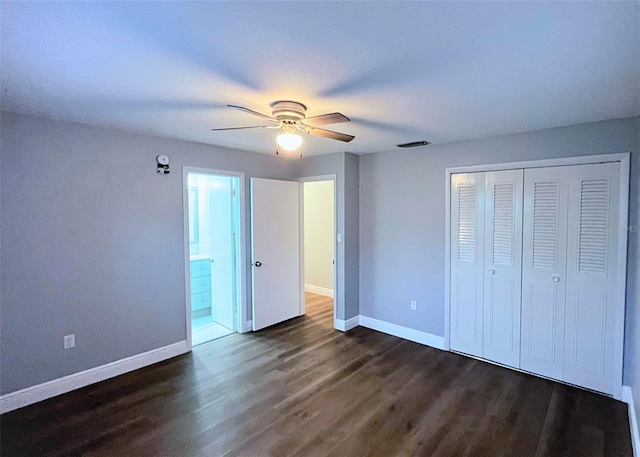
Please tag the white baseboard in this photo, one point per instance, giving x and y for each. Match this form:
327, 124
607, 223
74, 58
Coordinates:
627, 397
318, 290
49, 389
402, 332
248, 326
347, 325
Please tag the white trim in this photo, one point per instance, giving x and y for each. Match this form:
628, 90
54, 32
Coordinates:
301, 268
187, 260
627, 397
336, 282
242, 255
625, 161
317, 178
248, 326
621, 289
447, 261
345, 326
49, 389
318, 290
579, 160
402, 332
241, 270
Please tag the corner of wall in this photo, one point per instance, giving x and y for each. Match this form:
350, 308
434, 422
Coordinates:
352, 235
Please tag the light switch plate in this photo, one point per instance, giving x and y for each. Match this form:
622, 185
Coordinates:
69, 341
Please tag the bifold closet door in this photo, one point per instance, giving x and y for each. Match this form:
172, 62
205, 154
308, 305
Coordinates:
544, 276
534, 270
467, 262
502, 267
592, 269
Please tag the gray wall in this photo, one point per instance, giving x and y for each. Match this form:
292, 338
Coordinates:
92, 243
402, 220
345, 167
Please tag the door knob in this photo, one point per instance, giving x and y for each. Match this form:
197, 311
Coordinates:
492, 271
257, 264
556, 279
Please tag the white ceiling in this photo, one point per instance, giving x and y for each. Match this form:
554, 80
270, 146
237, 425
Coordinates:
402, 71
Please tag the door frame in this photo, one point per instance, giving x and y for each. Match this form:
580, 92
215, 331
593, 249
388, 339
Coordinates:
240, 270
625, 166
334, 178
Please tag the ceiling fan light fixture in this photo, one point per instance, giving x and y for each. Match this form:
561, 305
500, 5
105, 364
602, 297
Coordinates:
288, 139
290, 118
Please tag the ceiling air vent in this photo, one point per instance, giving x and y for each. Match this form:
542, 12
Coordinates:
414, 144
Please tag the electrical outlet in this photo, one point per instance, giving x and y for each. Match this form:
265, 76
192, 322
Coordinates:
413, 305
69, 341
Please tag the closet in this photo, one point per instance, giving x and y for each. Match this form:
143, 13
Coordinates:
534, 270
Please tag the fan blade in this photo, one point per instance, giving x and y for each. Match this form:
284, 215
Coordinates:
329, 134
255, 113
250, 127
332, 118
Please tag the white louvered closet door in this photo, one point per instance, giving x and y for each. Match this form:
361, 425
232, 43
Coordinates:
502, 267
467, 262
592, 253
544, 277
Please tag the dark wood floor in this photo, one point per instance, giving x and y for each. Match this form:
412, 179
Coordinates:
303, 389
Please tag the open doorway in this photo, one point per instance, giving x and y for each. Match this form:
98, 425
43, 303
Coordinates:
212, 273
319, 247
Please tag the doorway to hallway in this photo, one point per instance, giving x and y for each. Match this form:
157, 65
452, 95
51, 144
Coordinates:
319, 241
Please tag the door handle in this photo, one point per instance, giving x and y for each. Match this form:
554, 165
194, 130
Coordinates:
555, 279
492, 271
257, 264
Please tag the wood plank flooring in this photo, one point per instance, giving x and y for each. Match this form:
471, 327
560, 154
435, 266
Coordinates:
303, 389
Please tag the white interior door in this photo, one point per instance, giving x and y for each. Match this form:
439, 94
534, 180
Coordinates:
467, 265
502, 267
221, 200
592, 275
544, 270
275, 235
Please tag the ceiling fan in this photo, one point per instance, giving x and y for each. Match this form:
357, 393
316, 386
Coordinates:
289, 117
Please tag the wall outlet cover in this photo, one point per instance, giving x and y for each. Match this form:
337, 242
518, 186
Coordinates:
69, 341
